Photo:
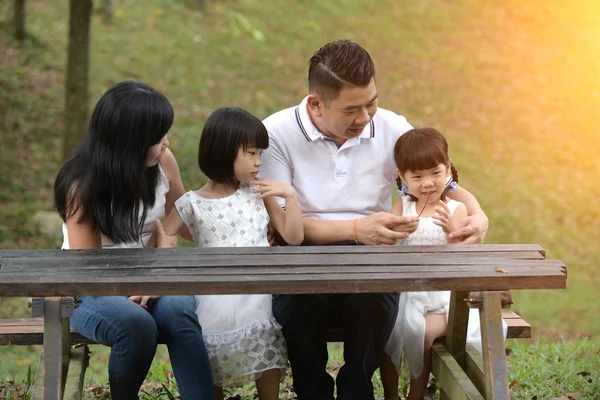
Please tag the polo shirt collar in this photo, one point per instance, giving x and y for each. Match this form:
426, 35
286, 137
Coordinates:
312, 133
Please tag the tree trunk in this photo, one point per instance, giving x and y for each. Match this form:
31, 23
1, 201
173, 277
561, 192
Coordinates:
19, 19
76, 81
109, 10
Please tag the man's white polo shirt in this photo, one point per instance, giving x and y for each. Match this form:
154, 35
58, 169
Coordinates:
352, 181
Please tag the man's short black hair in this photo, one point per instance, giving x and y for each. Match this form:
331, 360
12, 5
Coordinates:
337, 65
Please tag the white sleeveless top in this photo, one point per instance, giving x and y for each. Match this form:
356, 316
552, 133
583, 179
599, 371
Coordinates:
409, 331
155, 212
427, 232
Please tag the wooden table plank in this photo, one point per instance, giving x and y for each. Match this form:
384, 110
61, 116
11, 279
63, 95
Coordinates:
99, 283
445, 249
84, 262
476, 269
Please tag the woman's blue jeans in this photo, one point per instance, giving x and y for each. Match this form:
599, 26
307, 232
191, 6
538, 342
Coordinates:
133, 334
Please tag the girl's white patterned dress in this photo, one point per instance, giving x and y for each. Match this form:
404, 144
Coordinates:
409, 330
241, 335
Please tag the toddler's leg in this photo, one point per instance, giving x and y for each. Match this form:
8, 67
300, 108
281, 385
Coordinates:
435, 327
218, 391
389, 378
268, 384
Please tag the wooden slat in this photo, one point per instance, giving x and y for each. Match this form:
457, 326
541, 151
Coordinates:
453, 380
455, 248
75, 377
280, 261
163, 282
29, 331
518, 328
475, 268
474, 367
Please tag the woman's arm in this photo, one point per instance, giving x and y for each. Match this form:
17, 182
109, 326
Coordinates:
176, 188
84, 234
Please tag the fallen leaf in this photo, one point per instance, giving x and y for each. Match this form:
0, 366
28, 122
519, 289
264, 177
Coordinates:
501, 270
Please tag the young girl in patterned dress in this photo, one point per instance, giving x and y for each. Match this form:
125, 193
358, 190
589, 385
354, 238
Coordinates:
233, 208
425, 175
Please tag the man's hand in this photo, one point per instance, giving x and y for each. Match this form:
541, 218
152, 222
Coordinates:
271, 235
384, 228
162, 239
472, 230
144, 301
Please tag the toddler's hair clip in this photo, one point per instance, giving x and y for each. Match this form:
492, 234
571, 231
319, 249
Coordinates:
452, 186
403, 191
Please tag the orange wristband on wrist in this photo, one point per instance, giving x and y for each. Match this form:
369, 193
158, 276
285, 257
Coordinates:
355, 234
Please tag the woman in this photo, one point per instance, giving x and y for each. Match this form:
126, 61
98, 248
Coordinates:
110, 192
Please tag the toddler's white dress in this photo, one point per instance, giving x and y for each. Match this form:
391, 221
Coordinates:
242, 337
409, 330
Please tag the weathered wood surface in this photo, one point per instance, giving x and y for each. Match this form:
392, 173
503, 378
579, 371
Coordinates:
28, 331
458, 318
454, 381
527, 250
327, 269
494, 356
80, 357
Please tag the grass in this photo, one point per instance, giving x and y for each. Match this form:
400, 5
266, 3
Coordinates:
513, 85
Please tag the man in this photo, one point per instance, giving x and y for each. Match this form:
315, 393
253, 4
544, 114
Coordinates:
336, 149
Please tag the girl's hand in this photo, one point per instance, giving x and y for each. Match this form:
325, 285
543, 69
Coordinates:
164, 240
442, 218
144, 301
269, 187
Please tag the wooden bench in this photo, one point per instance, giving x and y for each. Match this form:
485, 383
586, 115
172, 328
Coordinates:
30, 331
463, 269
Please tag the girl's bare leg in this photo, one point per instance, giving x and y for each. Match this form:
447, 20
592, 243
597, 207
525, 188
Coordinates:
218, 390
389, 378
435, 327
268, 384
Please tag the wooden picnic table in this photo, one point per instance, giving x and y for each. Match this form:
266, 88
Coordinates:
462, 269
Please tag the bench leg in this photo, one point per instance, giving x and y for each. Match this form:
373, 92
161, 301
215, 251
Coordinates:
458, 318
449, 361
494, 355
453, 380
80, 357
55, 363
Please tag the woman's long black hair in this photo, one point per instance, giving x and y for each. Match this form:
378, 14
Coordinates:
106, 178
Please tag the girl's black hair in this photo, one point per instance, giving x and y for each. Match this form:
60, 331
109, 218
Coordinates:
420, 149
106, 177
226, 130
